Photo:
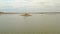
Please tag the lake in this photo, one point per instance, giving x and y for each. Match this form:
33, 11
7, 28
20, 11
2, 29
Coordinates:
35, 24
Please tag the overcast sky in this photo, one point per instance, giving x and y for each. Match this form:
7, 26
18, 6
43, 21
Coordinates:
30, 5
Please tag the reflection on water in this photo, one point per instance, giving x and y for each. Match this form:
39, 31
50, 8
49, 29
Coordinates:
37, 23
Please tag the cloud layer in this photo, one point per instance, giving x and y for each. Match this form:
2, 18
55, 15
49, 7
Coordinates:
30, 5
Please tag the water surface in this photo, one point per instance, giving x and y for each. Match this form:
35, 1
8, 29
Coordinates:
34, 23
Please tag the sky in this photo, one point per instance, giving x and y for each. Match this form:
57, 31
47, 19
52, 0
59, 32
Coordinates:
30, 5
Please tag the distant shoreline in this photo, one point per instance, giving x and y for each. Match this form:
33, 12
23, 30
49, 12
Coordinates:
31, 13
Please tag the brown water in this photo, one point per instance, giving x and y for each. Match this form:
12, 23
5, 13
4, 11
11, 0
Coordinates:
35, 24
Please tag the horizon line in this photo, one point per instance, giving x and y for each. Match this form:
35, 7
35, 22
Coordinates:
30, 12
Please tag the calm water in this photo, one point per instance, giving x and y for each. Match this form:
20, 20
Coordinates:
34, 23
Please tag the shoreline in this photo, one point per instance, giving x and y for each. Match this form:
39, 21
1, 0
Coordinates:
31, 13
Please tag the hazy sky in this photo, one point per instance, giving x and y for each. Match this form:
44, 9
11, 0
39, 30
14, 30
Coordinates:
29, 5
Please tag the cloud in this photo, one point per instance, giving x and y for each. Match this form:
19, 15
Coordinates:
30, 5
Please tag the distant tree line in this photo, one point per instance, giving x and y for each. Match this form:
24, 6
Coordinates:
1, 12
